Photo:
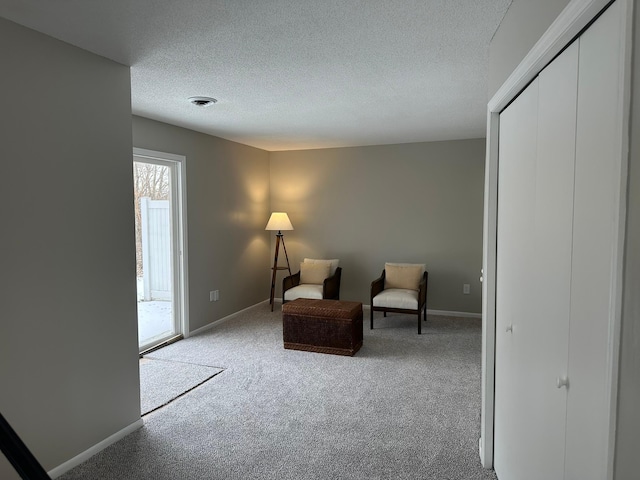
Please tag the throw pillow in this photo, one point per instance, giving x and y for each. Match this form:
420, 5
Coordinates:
334, 262
403, 275
314, 273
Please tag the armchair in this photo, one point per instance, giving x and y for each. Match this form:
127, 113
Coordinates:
317, 279
402, 288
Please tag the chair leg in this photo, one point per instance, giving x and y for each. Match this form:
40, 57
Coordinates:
419, 322
371, 318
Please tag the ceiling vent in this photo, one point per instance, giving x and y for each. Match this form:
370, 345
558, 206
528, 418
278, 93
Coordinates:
202, 101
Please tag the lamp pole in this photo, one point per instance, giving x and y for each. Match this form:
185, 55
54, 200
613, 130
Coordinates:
277, 222
279, 238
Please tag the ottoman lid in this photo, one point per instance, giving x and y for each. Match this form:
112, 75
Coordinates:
323, 308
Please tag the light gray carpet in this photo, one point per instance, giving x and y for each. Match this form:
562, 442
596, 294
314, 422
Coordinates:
163, 381
404, 407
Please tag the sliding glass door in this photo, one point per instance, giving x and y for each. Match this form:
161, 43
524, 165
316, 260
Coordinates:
159, 248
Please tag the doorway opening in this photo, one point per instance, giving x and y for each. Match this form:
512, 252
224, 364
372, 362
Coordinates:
160, 226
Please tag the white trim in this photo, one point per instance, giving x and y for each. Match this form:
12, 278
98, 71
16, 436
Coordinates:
154, 155
179, 163
450, 313
442, 313
617, 276
490, 225
573, 19
184, 250
98, 447
224, 319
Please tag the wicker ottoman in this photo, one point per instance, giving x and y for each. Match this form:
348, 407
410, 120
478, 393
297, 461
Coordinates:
324, 326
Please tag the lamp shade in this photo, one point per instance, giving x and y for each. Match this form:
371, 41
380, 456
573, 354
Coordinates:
279, 221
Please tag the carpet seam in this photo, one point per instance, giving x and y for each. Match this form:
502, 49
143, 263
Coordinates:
186, 363
182, 394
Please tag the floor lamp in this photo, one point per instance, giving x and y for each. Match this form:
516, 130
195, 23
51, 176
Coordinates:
278, 221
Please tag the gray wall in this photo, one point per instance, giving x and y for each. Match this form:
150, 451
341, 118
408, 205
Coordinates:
419, 202
522, 26
68, 330
524, 23
228, 208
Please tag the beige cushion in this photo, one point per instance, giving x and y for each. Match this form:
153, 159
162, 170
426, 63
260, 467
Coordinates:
334, 263
403, 275
397, 298
304, 291
314, 273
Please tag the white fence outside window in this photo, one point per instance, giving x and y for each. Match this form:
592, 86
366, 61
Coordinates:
156, 249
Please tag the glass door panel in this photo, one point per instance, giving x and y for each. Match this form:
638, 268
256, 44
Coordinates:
154, 252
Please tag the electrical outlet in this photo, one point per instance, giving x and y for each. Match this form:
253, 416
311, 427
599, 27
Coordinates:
466, 288
216, 295
212, 296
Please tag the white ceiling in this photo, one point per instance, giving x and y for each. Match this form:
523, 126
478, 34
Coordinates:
292, 74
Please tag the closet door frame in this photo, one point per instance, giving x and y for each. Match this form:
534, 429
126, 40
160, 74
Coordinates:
573, 20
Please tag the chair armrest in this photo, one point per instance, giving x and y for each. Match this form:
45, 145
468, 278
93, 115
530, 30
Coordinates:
377, 286
331, 285
290, 282
422, 289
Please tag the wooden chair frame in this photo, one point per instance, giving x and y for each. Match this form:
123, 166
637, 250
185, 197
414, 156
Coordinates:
377, 286
330, 286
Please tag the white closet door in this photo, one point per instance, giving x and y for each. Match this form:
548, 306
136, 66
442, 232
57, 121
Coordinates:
597, 191
559, 187
545, 341
536, 170
515, 249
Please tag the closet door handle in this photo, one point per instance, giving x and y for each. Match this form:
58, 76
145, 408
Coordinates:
562, 382
509, 328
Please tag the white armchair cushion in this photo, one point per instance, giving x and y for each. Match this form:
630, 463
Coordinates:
314, 273
304, 291
397, 298
403, 275
334, 263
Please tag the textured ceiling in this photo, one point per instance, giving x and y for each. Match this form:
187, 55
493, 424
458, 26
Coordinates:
292, 74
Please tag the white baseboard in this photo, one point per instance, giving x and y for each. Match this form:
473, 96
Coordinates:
224, 319
448, 313
78, 459
443, 313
